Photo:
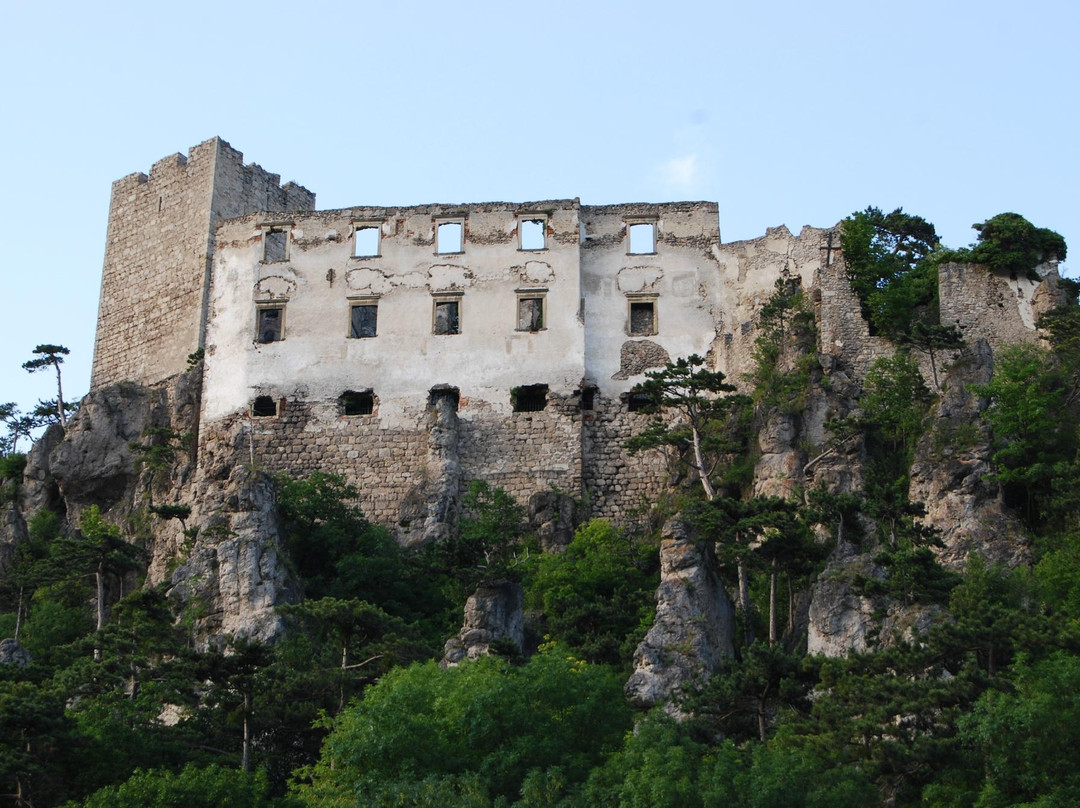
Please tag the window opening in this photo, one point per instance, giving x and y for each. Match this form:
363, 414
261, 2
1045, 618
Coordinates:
533, 232
449, 237
444, 391
270, 324
642, 238
530, 313
354, 403
447, 318
264, 407
642, 317
366, 241
529, 398
588, 398
275, 245
363, 318
635, 402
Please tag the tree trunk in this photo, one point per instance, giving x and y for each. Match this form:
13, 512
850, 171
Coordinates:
99, 583
18, 614
60, 399
245, 761
699, 461
744, 601
772, 604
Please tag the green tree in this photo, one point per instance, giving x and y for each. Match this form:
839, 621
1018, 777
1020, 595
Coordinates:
192, 787
1010, 243
100, 552
1027, 401
885, 255
486, 719
1028, 736
694, 413
597, 595
51, 356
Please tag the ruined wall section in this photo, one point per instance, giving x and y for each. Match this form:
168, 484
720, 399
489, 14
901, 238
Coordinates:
320, 279
999, 307
681, 282
157, 257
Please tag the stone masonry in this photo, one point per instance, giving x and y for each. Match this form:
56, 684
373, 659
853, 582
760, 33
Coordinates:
330, 336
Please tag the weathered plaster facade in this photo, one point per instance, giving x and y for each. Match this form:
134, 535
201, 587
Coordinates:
413, 349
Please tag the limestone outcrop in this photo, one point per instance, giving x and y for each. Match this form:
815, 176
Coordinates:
493, 613
234, 576
951, 469
694, 629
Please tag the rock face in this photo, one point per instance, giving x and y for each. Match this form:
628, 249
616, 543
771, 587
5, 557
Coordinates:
952, 461
234, 576
694, 629
553, 516
429, 508
494, 612
11, 653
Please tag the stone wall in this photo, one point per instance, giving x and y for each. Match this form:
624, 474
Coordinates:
155, 277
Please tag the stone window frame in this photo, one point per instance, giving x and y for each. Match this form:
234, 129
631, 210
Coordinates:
638, 300
357, 225
438, 298
356, 302
640, 221
267, 305
536, 293
266, 230
533, 216
439, 221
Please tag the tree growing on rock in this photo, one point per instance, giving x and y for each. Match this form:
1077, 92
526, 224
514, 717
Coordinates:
51, 356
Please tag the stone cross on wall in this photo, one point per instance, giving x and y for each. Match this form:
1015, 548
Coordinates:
829, 247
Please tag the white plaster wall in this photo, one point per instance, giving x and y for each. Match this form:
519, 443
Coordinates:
317, 360
685, 277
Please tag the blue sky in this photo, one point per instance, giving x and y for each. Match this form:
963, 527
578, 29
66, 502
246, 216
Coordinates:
782, 112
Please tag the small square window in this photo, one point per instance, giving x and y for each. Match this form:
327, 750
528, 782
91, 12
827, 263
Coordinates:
449, 237
447, 317
366, 240
354, 403
444, 392
530, 315
264, 407
642, 238
642, 317
363, 318
270, 324
636, 402
529, 398
532, 233
275, 245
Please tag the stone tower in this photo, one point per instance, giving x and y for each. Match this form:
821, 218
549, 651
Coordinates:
158, 253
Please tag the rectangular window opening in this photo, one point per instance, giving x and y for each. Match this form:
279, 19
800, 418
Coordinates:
270, 324
275, 245
533, 234
449, 237
642, 238
636, 402
357, 403
530, 313
588, 398
363, 320
642, 317
366, 241
529, 398
264, 407
447, 317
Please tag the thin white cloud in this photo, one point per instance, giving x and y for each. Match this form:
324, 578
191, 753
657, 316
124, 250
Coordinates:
680, 173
